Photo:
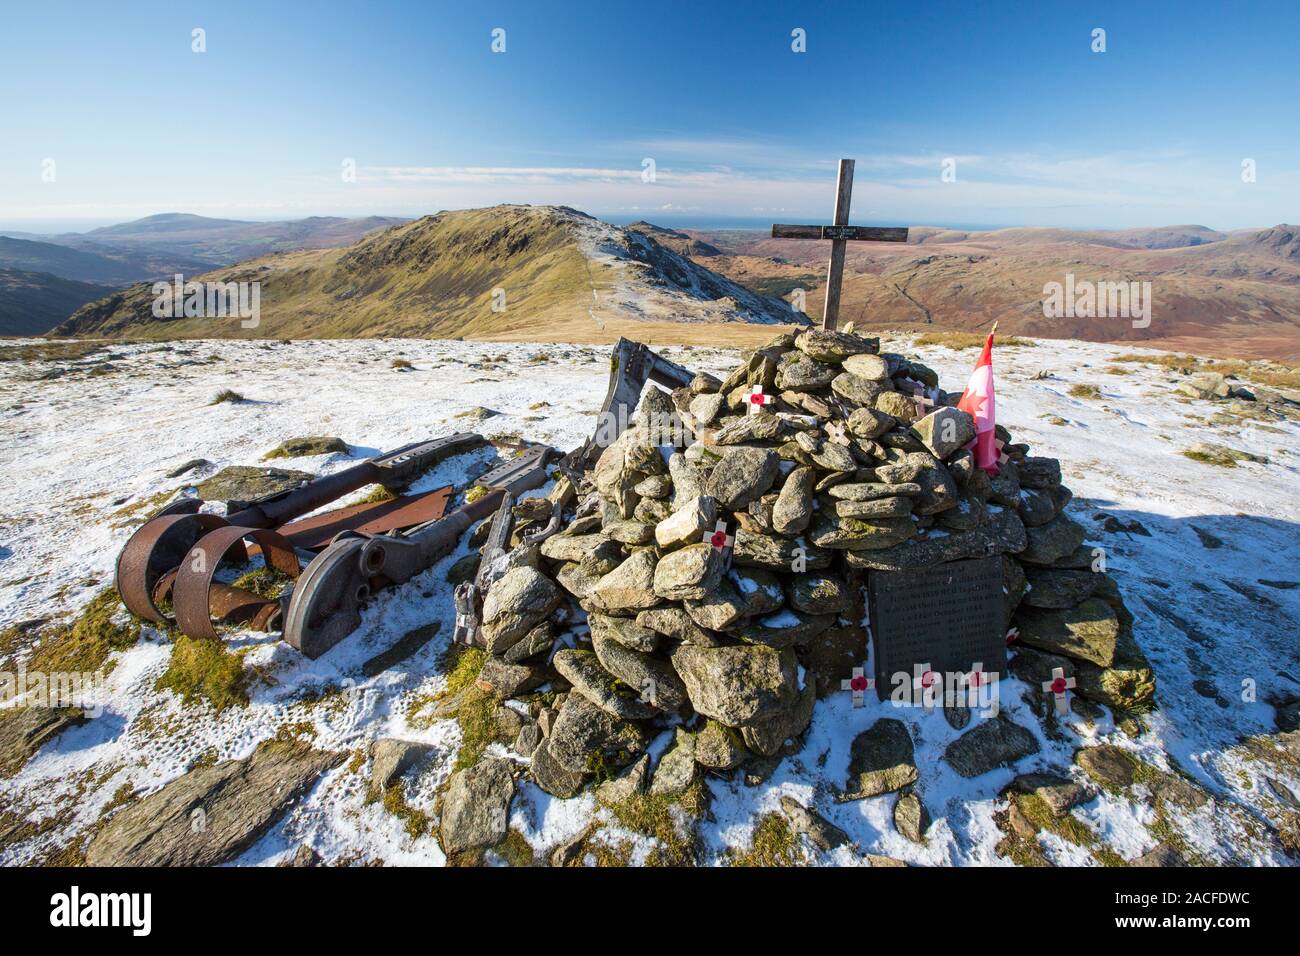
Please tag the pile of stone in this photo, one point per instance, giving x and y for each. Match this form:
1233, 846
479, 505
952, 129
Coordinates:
709, 582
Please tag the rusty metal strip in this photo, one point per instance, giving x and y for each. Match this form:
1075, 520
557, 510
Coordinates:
375, 517
156, 548
191, 594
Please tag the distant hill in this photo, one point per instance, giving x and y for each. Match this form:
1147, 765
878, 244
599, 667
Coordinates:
507, 271
1219, 293
678, 242
32, 303
103, 265
227, 241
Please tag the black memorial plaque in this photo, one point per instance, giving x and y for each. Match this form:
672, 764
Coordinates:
951, 617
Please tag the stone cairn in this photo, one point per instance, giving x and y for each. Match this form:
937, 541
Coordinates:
716, 554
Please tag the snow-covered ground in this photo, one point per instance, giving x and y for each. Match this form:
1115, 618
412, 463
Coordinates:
1208, 587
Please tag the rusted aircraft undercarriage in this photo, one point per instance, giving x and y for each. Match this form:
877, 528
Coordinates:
166, 573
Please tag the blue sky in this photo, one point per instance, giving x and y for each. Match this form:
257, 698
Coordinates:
1041, 129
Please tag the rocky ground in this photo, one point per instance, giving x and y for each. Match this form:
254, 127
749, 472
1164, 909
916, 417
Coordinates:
386, 749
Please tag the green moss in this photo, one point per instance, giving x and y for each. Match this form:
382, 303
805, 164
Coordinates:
773, 844
475, 493
103, 627
669, 820
515, 850
265, 582
478, 726
1068, 827
1220, 455
307, 446
203, 669
376, 494
417, 821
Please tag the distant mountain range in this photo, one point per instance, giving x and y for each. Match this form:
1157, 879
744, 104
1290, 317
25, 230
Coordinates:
152, 248
553, 273
532, 272
1212, 292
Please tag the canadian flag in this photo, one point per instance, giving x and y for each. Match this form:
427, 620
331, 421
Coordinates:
977, 401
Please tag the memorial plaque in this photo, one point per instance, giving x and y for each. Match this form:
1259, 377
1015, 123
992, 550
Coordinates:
951, 617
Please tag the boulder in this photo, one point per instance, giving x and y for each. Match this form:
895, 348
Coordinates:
821, 832
652, 677
213, 813
991, 744
690, 573
688, 524
736, 685
476, 806
554, 778
834, 347
516, 603
742, 475
676, 770
1087, 632
390, 758
944, 431
585, 737
911, 818
880, 761
582, 669
719, 747
628, 784
1052, 541
1005, 533
816, 593
794, 505
629, 587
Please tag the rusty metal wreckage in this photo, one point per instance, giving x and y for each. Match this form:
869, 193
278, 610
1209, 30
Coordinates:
171, 561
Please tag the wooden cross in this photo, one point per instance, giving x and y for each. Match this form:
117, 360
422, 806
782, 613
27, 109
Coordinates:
840, 233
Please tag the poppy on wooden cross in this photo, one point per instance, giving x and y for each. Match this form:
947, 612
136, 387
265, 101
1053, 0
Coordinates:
718, 537
757, 399
1013, 635
859, 683
1058, 687
928, 683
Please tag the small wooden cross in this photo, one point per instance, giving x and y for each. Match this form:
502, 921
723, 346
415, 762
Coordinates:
757, 399
1058, 687
840, 233
859, 684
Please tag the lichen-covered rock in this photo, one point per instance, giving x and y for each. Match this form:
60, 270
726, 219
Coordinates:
944, 431
652, 677
240, 801
629, 587
1005, 533
783, 629
516, 603
911, 818
1052, 541
742, 475
476, 806
860, 534
769, 737
1087, 632
628, 784
794, 505
582, 669
504, 680
834, 347
585, 738
688, 574
688, 524
737, 684
676, 770
554, 778
817, 593
625, 631
719, 747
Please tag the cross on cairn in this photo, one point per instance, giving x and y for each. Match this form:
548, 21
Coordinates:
757, 399
718, 537
859, 683
840, 234
1058, 687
